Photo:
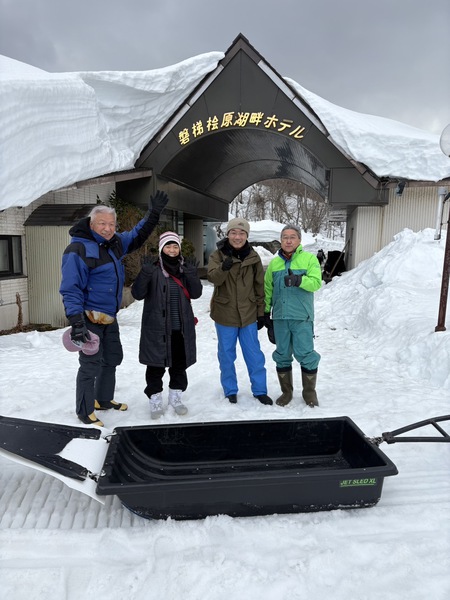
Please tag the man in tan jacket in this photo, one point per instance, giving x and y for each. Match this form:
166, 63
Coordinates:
237, 307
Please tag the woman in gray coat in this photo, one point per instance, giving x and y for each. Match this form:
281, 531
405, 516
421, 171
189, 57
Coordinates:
168, 325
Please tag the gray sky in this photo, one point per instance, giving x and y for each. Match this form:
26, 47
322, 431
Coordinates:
389, 58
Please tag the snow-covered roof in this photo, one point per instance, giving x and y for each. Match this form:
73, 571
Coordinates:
60, 128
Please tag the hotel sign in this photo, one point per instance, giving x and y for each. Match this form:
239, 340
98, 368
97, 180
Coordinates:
240, 119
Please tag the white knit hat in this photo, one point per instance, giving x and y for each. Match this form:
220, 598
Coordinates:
168, 237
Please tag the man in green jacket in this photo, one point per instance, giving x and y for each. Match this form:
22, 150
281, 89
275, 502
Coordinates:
237, 307
292, 277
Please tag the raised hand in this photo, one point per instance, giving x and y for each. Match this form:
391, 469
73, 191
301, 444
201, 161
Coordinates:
159, 201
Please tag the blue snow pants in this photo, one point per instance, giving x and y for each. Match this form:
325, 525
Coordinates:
227, 338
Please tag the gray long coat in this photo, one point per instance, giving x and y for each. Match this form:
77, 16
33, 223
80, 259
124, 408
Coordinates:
152, 286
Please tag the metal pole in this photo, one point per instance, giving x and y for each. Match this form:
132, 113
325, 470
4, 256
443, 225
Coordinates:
445, 279
442, 192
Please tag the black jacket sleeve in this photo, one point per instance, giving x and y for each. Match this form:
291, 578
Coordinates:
151, 220
141, 283
193, 285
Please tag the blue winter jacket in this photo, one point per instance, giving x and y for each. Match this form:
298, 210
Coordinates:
292, 302
92, 271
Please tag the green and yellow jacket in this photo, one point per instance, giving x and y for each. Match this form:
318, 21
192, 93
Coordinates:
292, 302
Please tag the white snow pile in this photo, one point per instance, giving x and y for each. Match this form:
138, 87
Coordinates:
60, 128
389, 148
389, 301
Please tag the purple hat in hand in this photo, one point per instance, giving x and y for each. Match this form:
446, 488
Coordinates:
90, 347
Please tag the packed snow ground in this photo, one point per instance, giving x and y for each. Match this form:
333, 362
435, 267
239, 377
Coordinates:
382, 365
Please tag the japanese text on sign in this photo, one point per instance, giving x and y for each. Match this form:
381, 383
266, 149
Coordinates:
240, 119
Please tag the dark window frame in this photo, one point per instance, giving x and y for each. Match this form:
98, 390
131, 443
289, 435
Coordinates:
14, 258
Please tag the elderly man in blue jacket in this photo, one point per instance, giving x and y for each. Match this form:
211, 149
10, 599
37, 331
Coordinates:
92, 284
291, 279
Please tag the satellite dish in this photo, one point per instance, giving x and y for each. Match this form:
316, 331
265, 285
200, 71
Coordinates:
444, 141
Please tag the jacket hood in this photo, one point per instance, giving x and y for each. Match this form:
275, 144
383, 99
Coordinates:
82, 229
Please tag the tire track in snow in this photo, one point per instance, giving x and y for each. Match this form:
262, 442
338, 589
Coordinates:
33, 500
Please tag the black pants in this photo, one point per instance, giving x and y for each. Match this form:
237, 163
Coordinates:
177, 372
96, 379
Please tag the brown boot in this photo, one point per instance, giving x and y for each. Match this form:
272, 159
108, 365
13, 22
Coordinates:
285, 379
309, 381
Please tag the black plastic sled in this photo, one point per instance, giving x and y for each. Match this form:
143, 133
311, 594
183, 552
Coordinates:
238, 468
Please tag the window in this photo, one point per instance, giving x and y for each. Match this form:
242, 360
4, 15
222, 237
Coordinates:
10, 255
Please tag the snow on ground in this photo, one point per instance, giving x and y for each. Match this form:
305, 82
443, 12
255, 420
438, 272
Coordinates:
382, 365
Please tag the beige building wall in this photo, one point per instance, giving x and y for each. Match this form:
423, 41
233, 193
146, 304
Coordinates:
371, 228
12, 223
415, 209
363, 233
47, 245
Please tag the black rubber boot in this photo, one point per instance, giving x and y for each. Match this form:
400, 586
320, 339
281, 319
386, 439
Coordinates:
287, 388
264, 399
309, 381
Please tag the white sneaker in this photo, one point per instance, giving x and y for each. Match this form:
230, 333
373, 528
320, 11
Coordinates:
156, 405
175, 402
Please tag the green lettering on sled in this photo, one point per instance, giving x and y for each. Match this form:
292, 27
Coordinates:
369, 481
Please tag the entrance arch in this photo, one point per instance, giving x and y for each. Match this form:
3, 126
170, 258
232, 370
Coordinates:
225, 163
245, 124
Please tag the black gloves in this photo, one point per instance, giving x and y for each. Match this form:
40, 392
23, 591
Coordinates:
80, 332
269, 324
292, 280
148, 268
190, 265
159, 201
227, 263
261, 322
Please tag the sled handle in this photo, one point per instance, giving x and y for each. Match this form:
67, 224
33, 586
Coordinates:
390, 437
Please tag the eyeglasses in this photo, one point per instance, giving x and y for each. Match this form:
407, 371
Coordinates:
105, 224
289, 238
